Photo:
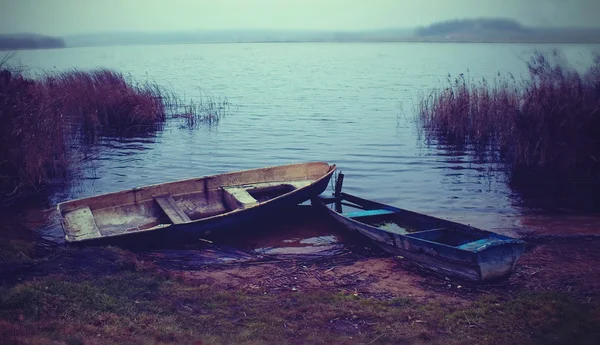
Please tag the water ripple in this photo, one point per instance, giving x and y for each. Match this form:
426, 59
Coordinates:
339, 103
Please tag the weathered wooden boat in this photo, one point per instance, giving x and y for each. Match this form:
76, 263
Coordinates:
446, 247
196, 206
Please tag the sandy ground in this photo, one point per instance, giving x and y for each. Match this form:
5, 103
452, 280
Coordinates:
571, 266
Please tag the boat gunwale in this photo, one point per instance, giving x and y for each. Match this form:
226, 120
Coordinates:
192, 179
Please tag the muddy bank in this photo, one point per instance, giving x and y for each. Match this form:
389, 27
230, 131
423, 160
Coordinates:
300, 248
563, 265
542, 267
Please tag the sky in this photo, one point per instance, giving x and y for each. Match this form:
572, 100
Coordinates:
66, 17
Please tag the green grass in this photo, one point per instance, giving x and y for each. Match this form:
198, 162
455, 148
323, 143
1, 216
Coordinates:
542, 318
148, 308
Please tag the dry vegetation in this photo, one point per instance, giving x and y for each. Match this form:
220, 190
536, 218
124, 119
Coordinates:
546, 128
47, 120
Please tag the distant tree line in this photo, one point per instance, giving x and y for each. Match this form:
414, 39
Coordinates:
470, 25
29, 41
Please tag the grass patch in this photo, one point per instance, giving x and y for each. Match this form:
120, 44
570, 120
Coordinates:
533, 318
545, 128
16, 242
15, 250
146, 308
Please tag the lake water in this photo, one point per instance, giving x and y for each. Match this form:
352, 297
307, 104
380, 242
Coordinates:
348, 104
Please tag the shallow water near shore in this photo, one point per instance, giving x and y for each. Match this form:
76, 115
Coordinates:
347, 104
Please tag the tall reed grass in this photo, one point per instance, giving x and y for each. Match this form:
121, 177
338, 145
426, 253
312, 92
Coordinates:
104, 101
32, 136
206, 110
545, 128
43, 122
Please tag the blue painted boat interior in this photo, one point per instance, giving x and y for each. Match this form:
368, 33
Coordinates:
419, 227
367, 213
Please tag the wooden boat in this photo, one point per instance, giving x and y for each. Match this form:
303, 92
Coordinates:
199, 205
446, 247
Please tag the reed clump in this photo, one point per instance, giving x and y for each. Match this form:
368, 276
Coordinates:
204, 111
46, 121
105, 101
33, 147
545, 128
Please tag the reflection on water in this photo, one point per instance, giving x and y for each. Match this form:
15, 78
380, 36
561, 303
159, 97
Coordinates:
347, 104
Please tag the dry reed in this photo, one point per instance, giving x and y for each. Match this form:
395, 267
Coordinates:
545, 128
46, 120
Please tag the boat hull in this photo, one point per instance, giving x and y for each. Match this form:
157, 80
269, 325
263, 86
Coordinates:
491, 257
193, 207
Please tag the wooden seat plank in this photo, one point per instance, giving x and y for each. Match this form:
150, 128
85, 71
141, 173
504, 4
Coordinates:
82, 224
169, 206
241, 197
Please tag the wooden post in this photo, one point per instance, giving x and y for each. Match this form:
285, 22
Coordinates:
338, 184
338, 192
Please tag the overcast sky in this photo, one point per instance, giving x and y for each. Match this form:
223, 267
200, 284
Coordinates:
63, 17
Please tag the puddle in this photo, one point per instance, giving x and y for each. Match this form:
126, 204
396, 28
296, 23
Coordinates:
318, 245
298, 231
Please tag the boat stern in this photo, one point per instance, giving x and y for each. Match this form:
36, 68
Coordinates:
497, 257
